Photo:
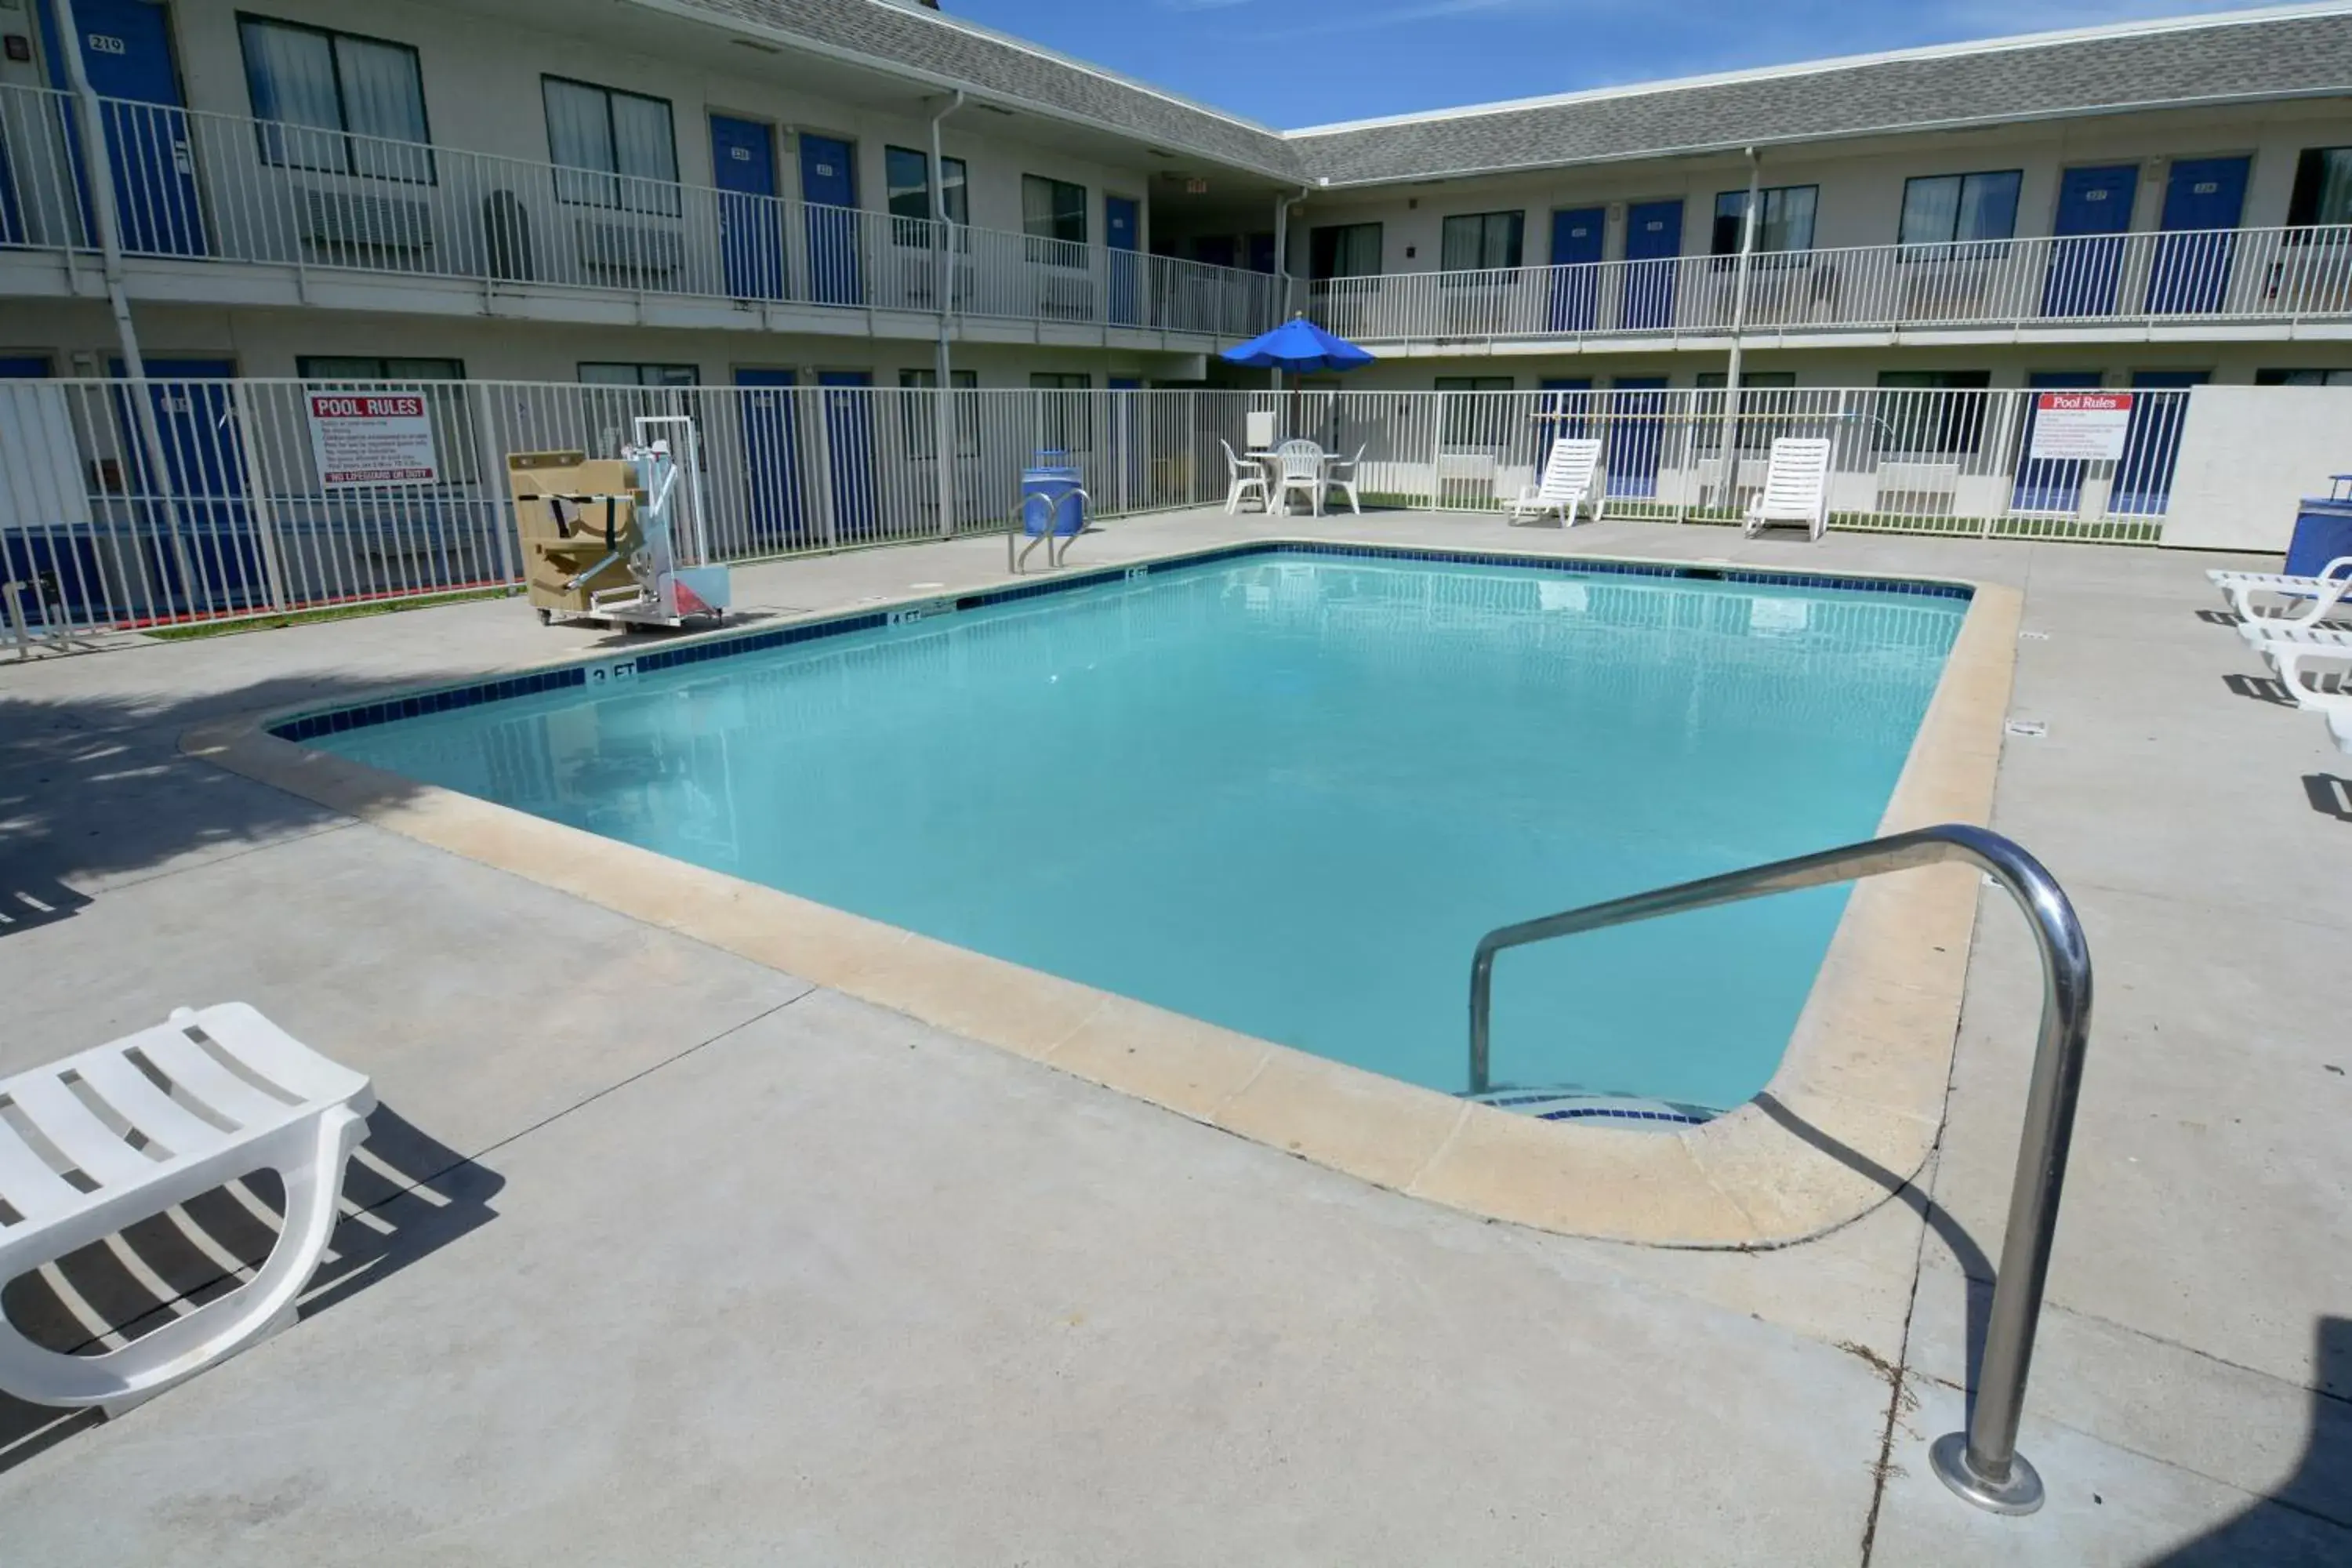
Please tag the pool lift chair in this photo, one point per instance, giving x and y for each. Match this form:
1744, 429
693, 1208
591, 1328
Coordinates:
620, 541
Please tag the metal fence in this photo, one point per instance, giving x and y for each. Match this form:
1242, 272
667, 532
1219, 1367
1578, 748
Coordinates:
201, 187
2252, 275
232, 511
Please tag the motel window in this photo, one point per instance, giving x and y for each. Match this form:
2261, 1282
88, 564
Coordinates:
2303, 378
908, 174
1065, 414
1932, 411
1784, 218
1758, 427
2323, 189
444, 406
612, 373
1481, 242
1478, 423
336, 101
1344, 250
1053, 216
1945, 209
612, 149
917, 417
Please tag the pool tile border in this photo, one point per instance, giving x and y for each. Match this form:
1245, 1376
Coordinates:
1856, 1103
308, 724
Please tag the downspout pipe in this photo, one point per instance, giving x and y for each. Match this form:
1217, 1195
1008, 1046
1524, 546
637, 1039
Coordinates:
98, 170
1729, 488
944, 406
1282, 205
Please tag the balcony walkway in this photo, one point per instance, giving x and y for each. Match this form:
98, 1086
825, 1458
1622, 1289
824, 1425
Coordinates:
706, 1265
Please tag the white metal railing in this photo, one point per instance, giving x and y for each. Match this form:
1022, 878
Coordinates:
232, 515
2252, 275
222, 187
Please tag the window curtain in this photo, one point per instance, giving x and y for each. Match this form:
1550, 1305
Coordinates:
579, 139
383, 97
645, 153
291, 75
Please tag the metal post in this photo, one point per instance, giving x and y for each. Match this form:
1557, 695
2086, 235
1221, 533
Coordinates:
1982, 1464
943, 373
17, 620
98, 165
1730, 482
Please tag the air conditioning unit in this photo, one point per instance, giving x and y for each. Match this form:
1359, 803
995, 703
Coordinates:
1066, 297
345, 220
630, 253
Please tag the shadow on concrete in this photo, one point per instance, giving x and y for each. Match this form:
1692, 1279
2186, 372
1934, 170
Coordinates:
2260, 688
30, 899
1975, 1266
2308, 1518
406, 1196
94, 791
2329, 795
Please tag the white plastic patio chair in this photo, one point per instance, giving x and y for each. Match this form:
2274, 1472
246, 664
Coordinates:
2290, 651
1299, 466
206, 1098
1569, 480
1244, 480
1796, 487
2293, 662
1342, 475
2318, 597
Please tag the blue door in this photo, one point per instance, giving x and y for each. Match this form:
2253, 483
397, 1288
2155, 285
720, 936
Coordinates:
1122, 226
1261, 251
1576, 242
849, 450
2143, 481
2095, 209
2202, 203
1214, 250
751, 237
2049, 484
12, 217
829, 187
1636, 436
772, 467
1653, 242
198, 536
126, 47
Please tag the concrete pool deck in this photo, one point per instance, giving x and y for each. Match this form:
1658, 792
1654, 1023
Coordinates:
695, 1262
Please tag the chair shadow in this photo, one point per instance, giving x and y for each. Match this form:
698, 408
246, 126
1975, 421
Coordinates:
2277, 1527
31, 899
2260, 688
2329, 795
406, 1196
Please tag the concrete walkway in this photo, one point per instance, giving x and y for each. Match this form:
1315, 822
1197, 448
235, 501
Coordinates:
669, 1258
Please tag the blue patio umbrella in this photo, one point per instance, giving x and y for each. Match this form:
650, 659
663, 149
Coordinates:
1298, 345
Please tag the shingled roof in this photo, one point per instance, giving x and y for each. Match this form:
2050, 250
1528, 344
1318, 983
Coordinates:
2210, 59
2287, 53
1000, 70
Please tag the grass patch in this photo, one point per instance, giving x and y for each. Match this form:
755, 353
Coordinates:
330, 613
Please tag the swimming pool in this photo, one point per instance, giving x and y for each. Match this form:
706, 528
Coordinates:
1284, 790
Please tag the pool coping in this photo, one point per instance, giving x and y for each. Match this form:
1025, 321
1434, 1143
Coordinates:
1850, 1115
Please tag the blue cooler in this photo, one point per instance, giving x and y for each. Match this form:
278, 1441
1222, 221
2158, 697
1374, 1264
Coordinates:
1053, 506
2323, 530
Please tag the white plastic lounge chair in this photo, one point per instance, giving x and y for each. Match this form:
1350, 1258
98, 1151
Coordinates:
187, 1090
1342, 475
1796, 487
1570, 482
2290, 651
2335, 706
2318, 597
1245, 479
1299, 466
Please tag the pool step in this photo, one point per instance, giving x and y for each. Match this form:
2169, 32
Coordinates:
1627, 1110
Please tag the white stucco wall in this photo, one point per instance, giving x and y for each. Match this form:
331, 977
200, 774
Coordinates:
2247, 455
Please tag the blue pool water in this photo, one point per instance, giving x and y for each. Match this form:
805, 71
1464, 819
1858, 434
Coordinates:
1288, 793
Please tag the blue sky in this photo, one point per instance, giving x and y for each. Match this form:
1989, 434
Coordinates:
1305, 62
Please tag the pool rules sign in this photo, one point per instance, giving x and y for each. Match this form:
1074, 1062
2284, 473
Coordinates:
2080, 426
372, 438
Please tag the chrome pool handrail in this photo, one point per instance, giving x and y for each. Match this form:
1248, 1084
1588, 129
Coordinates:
1982, 1464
